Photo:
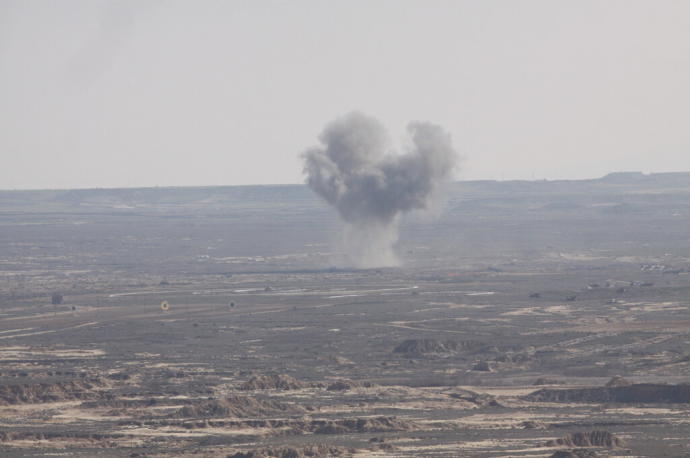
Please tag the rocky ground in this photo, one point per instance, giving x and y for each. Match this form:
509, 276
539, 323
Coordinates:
518, 342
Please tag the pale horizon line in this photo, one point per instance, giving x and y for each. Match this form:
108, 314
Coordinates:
473, 180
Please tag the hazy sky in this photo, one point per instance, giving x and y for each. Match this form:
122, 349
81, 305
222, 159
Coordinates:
98, 93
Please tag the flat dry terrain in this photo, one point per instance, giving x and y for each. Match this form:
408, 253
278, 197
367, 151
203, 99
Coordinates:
530, 318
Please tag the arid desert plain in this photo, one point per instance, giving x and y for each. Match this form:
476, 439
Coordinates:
526, 319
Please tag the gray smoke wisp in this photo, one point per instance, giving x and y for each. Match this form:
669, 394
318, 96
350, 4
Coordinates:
370, 186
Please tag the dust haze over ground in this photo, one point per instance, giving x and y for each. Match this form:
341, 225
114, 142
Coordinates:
371, 187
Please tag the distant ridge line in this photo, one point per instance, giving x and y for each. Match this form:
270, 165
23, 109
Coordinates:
635, 176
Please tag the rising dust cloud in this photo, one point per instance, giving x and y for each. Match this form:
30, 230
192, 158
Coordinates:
370, 186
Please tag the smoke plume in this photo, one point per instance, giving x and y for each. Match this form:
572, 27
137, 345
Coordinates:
370, 186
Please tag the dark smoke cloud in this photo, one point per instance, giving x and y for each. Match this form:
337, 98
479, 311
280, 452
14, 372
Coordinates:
370, 187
